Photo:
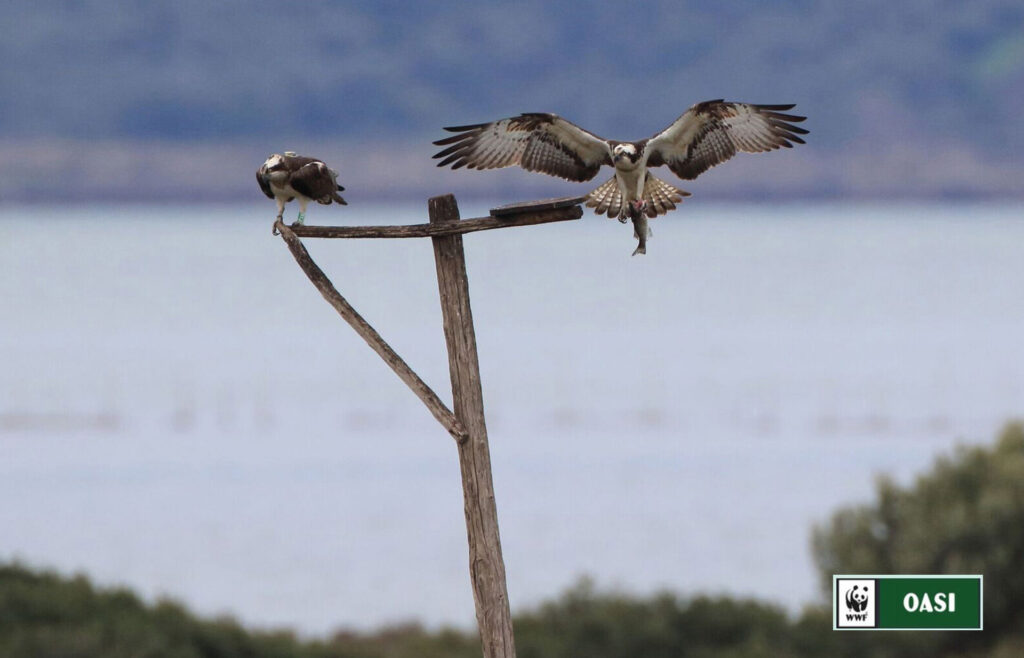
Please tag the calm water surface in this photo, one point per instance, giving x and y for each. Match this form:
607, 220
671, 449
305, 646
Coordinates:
182, 413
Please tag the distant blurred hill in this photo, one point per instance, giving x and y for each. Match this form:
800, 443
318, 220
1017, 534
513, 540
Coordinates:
121, 98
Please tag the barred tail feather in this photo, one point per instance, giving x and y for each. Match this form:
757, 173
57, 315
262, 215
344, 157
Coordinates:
660, 196
606, 199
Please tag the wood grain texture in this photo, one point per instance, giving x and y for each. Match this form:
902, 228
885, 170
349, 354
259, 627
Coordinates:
531, 218
486, 565
434, 404
537, 206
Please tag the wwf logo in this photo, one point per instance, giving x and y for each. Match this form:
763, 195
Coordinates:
857, 599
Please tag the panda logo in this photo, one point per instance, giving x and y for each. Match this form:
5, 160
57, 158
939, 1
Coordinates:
857, 599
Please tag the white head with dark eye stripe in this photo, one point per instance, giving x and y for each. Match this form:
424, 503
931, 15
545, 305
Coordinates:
625, 154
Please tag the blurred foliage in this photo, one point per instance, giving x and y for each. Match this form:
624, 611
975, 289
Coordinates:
585, 623
965, 516
43, 615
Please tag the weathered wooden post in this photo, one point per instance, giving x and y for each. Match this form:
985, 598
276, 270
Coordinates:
466, 424
486, 565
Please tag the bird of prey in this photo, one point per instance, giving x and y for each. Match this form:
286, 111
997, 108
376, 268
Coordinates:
707, 134
290, 176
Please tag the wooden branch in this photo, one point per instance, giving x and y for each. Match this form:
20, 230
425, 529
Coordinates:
438, 408
486, 565
536, 206
435, 230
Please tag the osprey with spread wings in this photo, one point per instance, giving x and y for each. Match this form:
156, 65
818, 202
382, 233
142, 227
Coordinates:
707, 134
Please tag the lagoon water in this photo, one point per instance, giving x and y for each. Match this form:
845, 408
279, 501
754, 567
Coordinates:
180, 412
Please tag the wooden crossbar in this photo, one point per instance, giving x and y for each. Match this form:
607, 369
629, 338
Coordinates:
528, 218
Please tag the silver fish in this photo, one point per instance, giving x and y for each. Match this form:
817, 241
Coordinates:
641, 231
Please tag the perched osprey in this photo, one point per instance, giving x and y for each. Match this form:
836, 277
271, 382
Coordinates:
290, 176
707, 134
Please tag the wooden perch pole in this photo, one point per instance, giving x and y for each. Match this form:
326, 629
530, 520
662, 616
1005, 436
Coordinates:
466, 424
486, 565
370, 335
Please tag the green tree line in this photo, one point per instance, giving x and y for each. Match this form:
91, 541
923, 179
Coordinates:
966, 515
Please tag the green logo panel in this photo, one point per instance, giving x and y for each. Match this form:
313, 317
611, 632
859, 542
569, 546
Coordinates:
905, 602
929, 603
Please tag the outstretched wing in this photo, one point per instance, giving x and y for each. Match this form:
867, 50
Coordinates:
314, 180
537, 142
711, 132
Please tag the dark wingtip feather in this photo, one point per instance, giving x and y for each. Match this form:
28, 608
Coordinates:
448, 151
460, 129
454, 139
787, 127
778, 116
450, 159
773, 108
788, 130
